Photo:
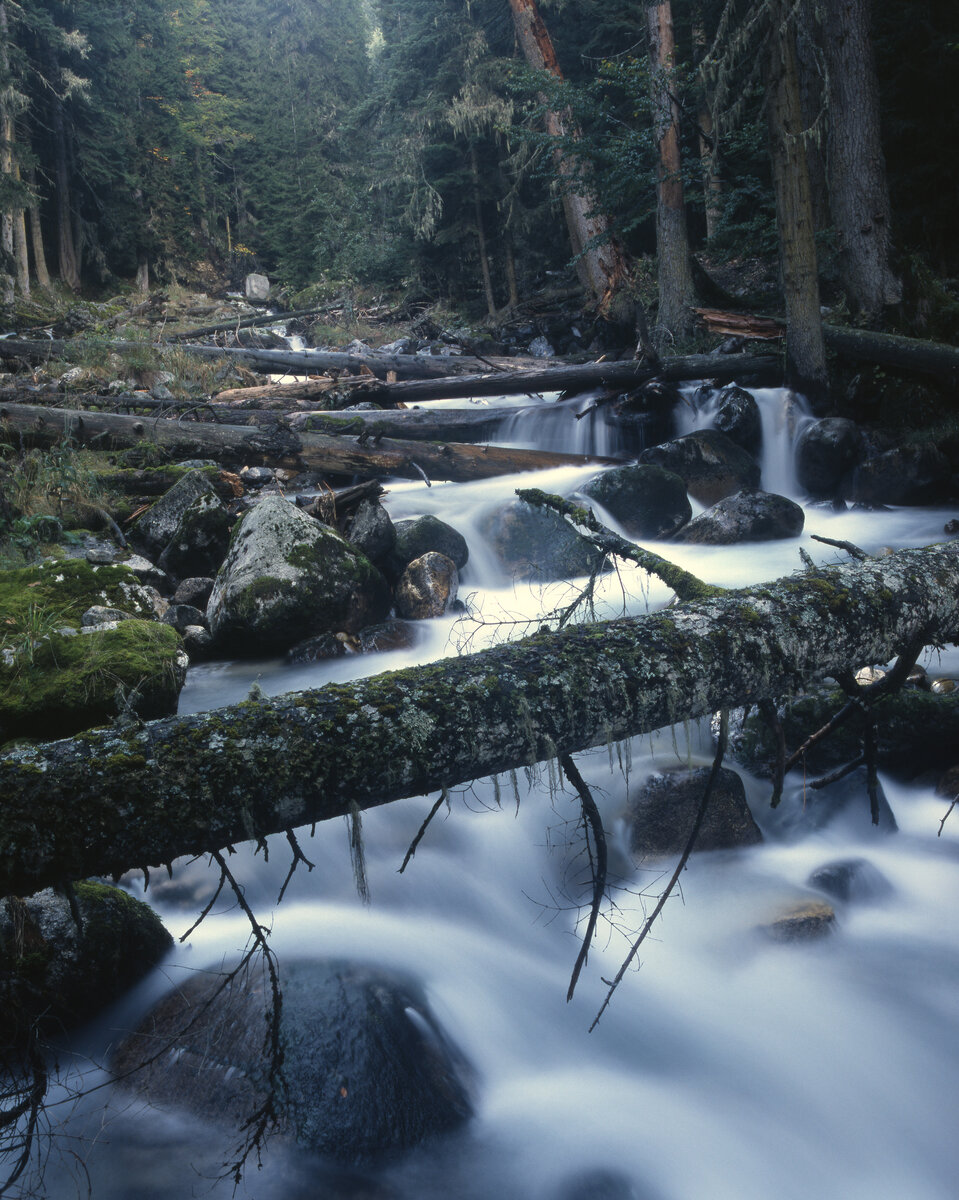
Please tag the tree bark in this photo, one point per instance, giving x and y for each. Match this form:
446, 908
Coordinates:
600, 261
36, 238
677, 292
481, 233
126, 797
239, 444
805, 352
69, 266
858, 193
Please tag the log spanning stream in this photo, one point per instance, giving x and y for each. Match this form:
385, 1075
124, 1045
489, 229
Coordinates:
728, 1068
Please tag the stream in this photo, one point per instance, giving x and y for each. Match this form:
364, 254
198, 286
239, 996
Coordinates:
728, 1067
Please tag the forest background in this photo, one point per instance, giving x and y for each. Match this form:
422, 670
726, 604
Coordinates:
405, 145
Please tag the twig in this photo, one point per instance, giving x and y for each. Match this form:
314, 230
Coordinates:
298, 857
674, 879
594, 823
851, 550
444, 795
767, 710
948, 811
839, 773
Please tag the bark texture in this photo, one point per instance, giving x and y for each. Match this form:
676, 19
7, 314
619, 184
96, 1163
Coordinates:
120, 798
805, 352
858, 193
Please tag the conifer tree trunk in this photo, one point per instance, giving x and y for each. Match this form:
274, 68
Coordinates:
708, 136
481, 234
805, 351
859, 196
6, 159
68, 264
677, 294
600, 261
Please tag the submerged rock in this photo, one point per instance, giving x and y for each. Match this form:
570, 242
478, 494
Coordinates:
711, 464
647, 500
661, 814
287, 576
850, 879
803, 922
56, 975
748, 516
367, 1069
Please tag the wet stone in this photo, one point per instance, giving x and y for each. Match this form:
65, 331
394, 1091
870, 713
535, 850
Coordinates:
850, 879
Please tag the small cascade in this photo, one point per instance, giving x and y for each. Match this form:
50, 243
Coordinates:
783, 414
575, 426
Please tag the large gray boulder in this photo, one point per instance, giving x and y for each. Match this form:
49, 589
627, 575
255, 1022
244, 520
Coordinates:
416, 536
748, 516
661, 814
287, 577
647, 500
154, 531
826, 452
537, 543
905, 475
367, 1070
371, 530
710, 463
200, 540
56, 975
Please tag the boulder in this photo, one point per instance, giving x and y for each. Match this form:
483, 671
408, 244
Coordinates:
180, 616
905, 475
844, 802
154, 531
287, 577
55, 975
420, 535
826, 452
648, 501
737, 416
195, 590
710, 463
661, 814
371, 531
850, 879
748, 516
367, 1069
537, 543
427, 587
200, 540
256, 287
917, 730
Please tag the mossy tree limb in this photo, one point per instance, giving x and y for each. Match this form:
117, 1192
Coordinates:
114, 799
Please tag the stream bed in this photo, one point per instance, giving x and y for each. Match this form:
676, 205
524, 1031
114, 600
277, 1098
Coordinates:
728, 1067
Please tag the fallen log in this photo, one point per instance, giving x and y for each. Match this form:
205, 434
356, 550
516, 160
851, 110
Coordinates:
914, 355
419, 424
746, 369
276, 445
135, 795
247, 323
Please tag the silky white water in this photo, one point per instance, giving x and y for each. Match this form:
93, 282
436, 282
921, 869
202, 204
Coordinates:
726, 1068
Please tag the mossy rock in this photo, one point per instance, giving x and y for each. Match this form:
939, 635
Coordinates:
662, 812
916, 730
74, 683
54, 976
60, 593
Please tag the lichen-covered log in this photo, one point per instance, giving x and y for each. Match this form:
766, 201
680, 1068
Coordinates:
115, 799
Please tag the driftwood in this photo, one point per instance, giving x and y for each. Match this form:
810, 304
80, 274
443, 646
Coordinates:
235, 445
247, 323
418, 424
132, 796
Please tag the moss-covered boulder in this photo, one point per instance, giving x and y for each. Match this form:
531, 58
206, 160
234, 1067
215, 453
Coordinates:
54, 975
54, 682
367, 1069
537, 543
70, 683
647, 500
916, 731
286, 578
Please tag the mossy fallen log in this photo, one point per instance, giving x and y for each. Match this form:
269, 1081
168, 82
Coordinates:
119, 798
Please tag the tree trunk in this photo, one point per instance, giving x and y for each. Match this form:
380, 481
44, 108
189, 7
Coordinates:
677, 292
805, 352
126, 797
36, 237
20, 255
238, 444
599, 259
481, 234
69, 267
6, 160
859, 196
708, 132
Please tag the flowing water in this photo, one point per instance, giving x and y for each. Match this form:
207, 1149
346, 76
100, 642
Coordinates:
726, 1068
